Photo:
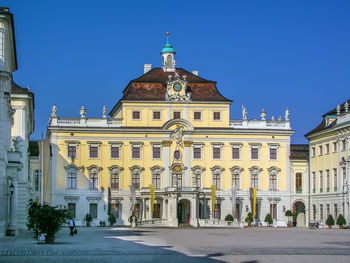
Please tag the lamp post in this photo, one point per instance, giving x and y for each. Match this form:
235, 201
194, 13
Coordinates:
10, 232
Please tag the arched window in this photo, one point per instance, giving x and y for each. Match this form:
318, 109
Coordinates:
273, 176
169, 61
197, 176
217, 176
156, 176
115, 171
72, 178
254, 176
136, 176
93, 178
236, 176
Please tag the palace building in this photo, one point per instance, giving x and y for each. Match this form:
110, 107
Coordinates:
169, 154
329, 165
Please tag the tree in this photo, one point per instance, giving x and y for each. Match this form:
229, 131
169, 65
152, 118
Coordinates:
289, 214
268, 219
341, 221
45, 219
330, 221
249, 219
88, 219
111, 219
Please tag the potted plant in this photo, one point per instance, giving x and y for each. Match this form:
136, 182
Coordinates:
341, 221
111, 219
330, 221
268, 219
249, 219
47, 220
229, 219
132, 220
289, 214
88, 219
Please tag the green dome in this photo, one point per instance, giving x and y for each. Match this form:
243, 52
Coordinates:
168, 48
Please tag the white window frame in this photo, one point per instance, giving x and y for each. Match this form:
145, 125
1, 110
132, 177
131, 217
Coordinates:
115, 144
70, 170
201, 115
237, 170
239, 146
220, 113
276, 147
200, 146
132, 115
160, 115
257, 146
95, 144
157, 145
216, 145
255, 170
136, 144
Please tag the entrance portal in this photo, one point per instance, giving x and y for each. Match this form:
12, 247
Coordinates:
299, 209
184, 211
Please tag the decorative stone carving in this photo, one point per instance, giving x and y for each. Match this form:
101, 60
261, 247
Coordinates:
346, 106
179, 92
280, 118
263, 115
177, 134
244, 113
286, 115
82, 112
104, 112
338, 109
54, 111
273, 118
17, 143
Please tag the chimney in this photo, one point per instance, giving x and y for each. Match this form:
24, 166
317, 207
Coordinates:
195, 72
146, 68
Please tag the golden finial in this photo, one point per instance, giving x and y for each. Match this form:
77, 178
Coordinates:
167, 33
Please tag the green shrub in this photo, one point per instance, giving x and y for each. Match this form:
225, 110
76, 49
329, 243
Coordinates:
330, 221
229, 217
289, 213
111, 219
45, 219
249, 219
268, 219
341, 220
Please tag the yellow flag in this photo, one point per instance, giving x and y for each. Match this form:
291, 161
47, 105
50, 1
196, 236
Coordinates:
254, 201
151, 191
213, 198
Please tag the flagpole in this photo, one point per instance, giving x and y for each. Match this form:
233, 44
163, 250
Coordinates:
42, 171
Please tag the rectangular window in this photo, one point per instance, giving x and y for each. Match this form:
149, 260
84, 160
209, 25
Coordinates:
328, 210
298, 183
273, 182
93, 210
197, 115
328, 183
314, 212
156, 180
136, 152
136, 115
273, 211
72, 151
320, 150
156, 115
313, 150
335, 211
313, 182
235, 180
196, 180
36, 180
115, 180
254, 153
216, 181
343, 145
216, 116
327, 148
321, 181
135, 180
273, 154
216, 152
335, 180
93, 180
156, 152
235, 153
177, 180
321, 212
197, 152
72, 209
115, 152
254, 182
217, 211
72, 180
93, 151
334, 147
177, 114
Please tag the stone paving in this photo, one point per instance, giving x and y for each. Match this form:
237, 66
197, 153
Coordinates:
182, 245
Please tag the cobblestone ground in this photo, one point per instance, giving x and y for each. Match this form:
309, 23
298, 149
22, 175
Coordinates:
182, 245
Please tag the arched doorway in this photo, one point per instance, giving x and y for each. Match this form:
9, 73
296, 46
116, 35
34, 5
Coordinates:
184, 211
299, 210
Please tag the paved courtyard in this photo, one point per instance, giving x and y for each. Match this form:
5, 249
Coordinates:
182, 245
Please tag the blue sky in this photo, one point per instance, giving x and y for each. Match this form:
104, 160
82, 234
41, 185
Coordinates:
263, 54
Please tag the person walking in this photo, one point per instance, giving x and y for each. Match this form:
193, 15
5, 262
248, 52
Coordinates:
71, 226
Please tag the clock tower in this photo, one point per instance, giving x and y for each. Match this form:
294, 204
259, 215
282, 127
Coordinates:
168, 56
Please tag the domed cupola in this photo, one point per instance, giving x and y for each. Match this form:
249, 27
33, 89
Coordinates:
168, 56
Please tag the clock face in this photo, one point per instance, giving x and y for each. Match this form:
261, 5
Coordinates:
177, 87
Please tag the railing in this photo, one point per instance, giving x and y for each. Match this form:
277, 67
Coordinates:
68, 121
152, 222
85, 122
260, 124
